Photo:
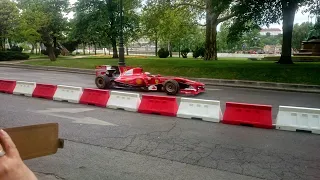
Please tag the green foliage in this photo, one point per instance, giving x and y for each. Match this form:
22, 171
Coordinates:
184, 52
198, 51
9, 15
25, 46
300, 33
45, 20
12, 55
163, 53
168, 23
98, 22
30, 23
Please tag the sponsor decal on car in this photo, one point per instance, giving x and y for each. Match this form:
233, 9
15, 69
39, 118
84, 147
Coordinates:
139, 81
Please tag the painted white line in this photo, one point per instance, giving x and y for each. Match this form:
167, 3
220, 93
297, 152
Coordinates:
213, 89
82, 120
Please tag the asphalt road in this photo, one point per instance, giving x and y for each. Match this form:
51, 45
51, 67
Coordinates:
223, 94
124, 145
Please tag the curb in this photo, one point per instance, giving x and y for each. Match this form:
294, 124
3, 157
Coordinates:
50, 68
208, 82
261, 85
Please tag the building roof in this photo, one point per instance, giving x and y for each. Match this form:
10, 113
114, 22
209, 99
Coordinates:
271, 30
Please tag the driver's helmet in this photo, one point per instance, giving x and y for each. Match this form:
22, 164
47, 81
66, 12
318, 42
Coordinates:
111, 70
147, 73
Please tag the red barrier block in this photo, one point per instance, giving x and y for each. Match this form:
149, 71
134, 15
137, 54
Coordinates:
95, 97
255, 115
44, 91
7, 86
163, 105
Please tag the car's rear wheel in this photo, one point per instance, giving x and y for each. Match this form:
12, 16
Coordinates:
171, 87
103, 82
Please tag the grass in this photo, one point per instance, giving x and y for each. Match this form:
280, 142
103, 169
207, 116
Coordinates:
224, 68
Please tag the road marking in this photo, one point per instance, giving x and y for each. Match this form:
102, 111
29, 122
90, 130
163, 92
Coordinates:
82, 120
213, 89
66, 110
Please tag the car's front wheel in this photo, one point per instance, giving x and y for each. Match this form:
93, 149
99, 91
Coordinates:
171, 87
103, 82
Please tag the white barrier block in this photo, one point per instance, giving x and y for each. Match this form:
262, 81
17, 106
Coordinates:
126, 101
298, 118
25, 88
68, 93
206, 110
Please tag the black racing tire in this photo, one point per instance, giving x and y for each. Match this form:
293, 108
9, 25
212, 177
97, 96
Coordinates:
103, 82
171, 87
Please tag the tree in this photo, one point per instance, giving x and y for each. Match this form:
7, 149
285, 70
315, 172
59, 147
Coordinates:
29, 27
57, 23
174, 25
216, 12
100, 21
222, 38
300, 33
150, 21
162, 20
9, 15
265, 12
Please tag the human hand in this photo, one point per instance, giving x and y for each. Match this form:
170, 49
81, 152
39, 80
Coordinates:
11, 164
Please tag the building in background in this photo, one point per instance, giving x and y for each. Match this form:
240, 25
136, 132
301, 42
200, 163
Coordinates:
271, 31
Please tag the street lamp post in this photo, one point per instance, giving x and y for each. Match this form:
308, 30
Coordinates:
121, 48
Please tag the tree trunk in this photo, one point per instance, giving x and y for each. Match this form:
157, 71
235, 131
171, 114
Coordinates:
115, 50
156, 43
170, 49
89, 48
288, 11
54, 42
51, 54
109, 51
48, 43
95, 48
2, 43
32, 48
84, 48
10, 43
211, 33
179, 50
104, 51
36, 47
127, 50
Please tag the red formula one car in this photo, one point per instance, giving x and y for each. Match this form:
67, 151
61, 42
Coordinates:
123, 77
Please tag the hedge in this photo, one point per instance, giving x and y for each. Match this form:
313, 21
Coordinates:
13, 55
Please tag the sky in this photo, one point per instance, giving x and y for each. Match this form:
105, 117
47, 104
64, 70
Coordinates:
300, 17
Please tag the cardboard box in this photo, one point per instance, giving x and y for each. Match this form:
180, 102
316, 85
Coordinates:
36, 141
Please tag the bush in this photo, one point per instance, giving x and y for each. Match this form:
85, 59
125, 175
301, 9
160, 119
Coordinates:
184, 52
56, 52
16, 49
199, 51
162, 53
12, 55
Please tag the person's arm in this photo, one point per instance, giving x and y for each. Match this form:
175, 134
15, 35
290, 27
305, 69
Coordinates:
11, 164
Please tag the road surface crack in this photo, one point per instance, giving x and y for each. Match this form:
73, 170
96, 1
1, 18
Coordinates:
50, 174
